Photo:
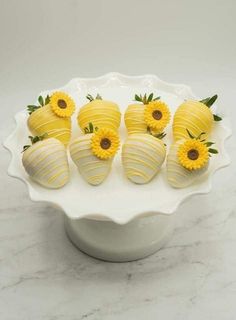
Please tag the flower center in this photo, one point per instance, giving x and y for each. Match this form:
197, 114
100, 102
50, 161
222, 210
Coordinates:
105, 143
193, 154
157, 114
61, 104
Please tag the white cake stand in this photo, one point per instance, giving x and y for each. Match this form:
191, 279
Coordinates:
118, 221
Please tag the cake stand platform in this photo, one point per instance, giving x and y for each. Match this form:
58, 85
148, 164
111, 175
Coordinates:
118, 220
107, 240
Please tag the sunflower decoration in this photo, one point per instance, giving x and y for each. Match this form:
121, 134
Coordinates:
194, 153
61, 104
105, 143
157, 115
148, 113
52, 115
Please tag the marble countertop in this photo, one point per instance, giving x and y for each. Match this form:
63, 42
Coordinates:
42, 275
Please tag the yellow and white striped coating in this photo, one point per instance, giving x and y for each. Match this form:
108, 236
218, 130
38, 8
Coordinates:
194, 116
134, 119
142, 157
46, 163
92, 169
177, 175
44, 120
100, 113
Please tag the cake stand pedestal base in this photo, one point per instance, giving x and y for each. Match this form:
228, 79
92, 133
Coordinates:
110, 241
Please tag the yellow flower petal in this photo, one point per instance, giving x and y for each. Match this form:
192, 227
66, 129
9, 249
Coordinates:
62, 105
193, 154
157, 115
105, 143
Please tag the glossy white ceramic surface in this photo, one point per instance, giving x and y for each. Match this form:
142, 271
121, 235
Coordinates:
110, 241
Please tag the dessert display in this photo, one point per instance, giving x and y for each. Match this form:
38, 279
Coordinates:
142, 156
101, 113
196, 116
46, 162
52, 116
119, 202
188, 159
93, 153
148, 114
143, 151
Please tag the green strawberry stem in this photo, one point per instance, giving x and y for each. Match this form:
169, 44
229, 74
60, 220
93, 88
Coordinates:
42, 102
207, 143
90, 128
91, 98
216, 117
209, 102
145, 99
34, 140
158, 135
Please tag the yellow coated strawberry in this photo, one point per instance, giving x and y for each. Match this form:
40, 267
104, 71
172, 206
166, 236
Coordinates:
151, 115
52, 116
46, 162
177, 175
142, 157
194, 116
101, 113
93, 153
188, 160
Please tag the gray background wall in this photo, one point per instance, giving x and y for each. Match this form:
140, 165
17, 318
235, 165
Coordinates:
43, 44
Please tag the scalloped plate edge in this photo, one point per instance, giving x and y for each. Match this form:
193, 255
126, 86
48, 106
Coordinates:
35, 196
